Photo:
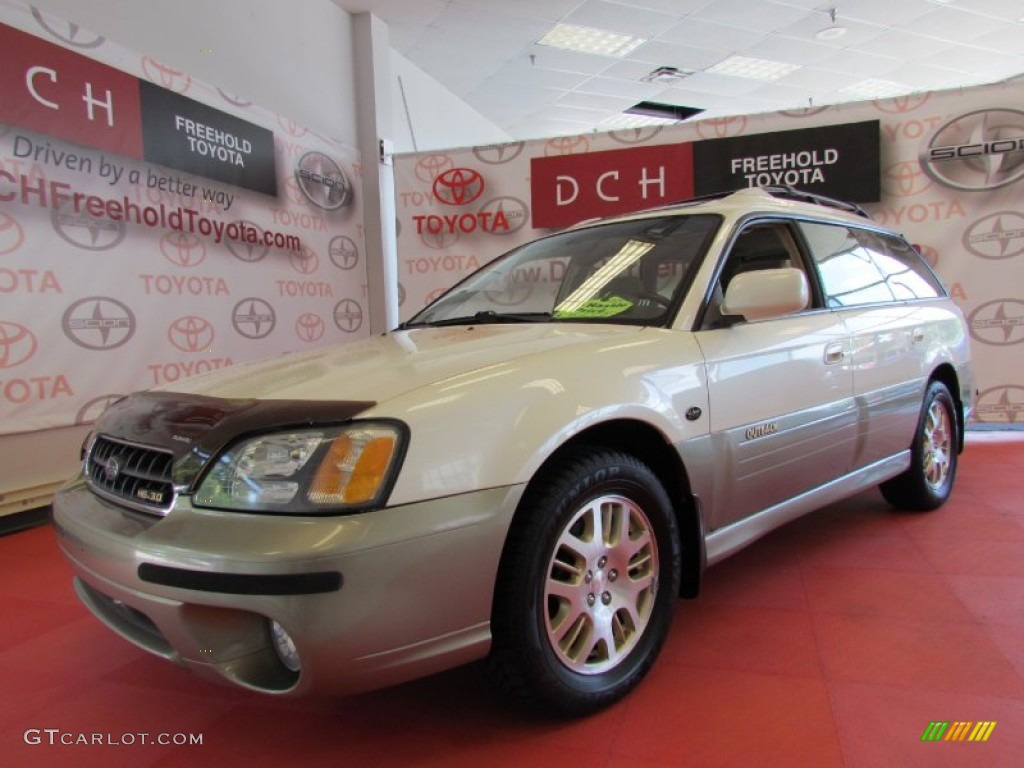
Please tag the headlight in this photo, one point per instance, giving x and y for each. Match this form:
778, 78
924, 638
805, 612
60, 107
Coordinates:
311, 471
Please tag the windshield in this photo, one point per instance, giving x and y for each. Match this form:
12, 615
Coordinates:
622, 272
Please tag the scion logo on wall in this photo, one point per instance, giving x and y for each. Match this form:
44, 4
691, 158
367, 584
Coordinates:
635, 135
902, 104
1001, 404
68, 32
83, 230
309, 327
977, 151
190, 334
513, 211
253, 318
99, 322
905, 179
17, 344
93, 409
498, 154
305, 262
722, 127
996, 236
165, 76
348, 315
343, 252
11, 234
245, 251
429, 167
1000, 323
322, 181
458, 186
183, 249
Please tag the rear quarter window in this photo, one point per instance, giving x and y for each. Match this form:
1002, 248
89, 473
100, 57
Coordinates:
860, 266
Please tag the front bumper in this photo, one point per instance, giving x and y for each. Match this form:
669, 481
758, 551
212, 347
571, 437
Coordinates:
369, 600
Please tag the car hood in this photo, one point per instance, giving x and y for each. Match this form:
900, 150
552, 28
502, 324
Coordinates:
383, 367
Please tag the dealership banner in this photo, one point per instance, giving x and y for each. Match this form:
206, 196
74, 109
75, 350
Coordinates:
944, 168
839, 161
154, 227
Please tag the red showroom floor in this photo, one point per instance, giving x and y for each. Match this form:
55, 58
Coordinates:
835, 641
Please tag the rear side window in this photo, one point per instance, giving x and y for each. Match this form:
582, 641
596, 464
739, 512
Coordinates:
859, 266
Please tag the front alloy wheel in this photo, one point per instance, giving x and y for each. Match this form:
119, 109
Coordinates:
601, 585
586, 585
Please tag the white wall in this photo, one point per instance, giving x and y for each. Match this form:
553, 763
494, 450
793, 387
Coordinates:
426, 116
293, 57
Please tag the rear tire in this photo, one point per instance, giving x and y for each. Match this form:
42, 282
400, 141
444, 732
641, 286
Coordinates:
587, 584
928, 482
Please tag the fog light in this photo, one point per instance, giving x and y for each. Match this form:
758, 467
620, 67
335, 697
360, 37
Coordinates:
285, 646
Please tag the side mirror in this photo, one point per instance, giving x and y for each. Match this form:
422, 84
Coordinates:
766, 293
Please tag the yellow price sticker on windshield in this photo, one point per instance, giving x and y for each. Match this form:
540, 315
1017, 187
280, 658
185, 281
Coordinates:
595, 309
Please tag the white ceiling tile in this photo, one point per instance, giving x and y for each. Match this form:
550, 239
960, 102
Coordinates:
621, 18
860, 64
1008, 39
903, 44
607, 86
658, 54
546, 10
596, 101
710, 35
885, 12
764, 15
809, 26
789, 50
951, 23
976, 61
675, 8
569, 61
705, 82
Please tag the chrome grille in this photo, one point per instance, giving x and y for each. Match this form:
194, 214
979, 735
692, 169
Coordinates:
136, 476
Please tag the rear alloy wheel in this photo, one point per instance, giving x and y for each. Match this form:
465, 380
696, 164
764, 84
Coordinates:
587, 584
928, 482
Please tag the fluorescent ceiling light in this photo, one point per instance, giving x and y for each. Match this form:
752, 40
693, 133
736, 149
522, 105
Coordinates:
590, 40
755, 69
873, 88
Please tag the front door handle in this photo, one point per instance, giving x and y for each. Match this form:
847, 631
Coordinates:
835, 353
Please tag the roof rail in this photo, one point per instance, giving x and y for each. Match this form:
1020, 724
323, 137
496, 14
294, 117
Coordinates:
791, 193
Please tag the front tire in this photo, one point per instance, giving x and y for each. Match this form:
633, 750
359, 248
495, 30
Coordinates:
928, 482
587, 584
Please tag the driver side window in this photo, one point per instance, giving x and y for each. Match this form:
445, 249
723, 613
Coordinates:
756, 247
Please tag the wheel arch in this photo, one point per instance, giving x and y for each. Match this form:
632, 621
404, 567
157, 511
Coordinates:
649, 445
946, 373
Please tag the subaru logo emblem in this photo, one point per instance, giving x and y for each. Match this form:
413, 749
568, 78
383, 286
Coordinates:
111, 469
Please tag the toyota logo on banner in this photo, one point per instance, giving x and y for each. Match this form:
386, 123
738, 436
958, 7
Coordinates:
977, 151
11, 234
458, 186
309, 327
183, 249
72, 34
322, 181
248, 252
17, 344
99, 322
190, 334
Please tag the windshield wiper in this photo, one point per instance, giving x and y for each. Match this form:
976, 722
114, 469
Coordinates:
484, 317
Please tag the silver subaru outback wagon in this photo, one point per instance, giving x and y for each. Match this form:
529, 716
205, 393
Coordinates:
535, 467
